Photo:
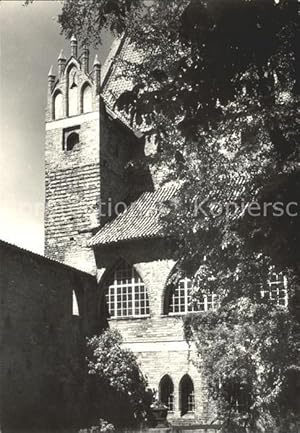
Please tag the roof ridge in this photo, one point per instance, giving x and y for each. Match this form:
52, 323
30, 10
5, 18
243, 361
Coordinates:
40, 256
115, 49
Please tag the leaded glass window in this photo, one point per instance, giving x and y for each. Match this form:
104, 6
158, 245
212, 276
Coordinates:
182, 302
126, 293
276, 289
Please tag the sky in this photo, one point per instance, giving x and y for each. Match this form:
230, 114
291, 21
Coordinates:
30, 42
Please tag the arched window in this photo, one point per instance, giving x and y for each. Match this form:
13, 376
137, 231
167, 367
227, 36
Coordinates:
58, 106
126, 294
166, 392
187, 395
276, 288
86, 98
71, 140
75, 308
180, 299
73, 92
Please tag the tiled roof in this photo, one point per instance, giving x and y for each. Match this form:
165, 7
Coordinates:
140, 219
107, 66
114, 81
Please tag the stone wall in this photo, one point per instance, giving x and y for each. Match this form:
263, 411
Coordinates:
42, 343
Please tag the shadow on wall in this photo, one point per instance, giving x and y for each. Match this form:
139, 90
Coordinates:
43, 367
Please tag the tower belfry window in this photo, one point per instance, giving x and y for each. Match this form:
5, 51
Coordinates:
71, 138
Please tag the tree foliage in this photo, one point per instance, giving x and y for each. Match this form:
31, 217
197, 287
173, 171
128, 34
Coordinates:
249, 354
117, 370
218, 91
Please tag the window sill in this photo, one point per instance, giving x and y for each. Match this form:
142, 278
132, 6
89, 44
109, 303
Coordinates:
166, 316
184, 314
189, 414
70, 151
129, 318
187, 313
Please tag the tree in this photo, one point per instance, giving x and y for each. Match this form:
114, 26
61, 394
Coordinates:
218, 90
115, 372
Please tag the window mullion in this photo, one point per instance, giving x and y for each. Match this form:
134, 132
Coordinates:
127, 295
186, 295
115, 291
133, 291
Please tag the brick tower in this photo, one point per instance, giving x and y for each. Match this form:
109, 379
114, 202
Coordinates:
79, 173
72, 160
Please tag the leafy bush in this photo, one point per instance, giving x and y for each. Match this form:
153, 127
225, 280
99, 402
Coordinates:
103, 427
125, 398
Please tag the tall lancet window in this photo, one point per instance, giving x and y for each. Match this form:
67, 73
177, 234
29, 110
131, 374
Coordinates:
126, 294
58, 106
187, 395
166, 392
73, 92
86, 98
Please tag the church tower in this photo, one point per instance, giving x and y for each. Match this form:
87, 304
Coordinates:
88, 147
72, 159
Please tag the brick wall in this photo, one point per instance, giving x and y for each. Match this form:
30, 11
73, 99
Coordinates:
42, 344
72, 191
83, 182
72, 177
157, 340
